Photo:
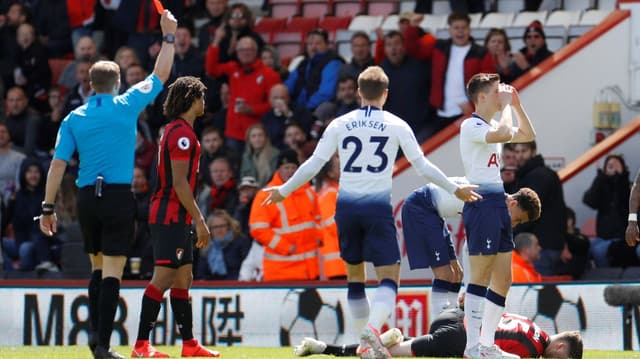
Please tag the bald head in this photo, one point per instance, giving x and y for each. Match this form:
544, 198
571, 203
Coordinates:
247, 50
86, 49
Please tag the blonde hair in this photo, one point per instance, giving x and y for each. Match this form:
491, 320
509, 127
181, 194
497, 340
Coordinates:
233, 224
261, 158
104, 76
372, 83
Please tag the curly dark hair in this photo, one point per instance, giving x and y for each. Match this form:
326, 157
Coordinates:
183, 92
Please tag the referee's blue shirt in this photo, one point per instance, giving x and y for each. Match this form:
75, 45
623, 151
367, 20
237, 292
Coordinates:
103, 131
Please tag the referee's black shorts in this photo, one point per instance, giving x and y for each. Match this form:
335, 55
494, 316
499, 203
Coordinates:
107, 222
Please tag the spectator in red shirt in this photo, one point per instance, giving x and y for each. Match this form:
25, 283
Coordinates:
249, 82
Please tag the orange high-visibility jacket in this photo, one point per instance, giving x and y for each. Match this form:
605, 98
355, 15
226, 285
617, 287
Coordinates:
289, 232
332, 264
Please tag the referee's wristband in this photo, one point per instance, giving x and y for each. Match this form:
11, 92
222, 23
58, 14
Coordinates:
633, 217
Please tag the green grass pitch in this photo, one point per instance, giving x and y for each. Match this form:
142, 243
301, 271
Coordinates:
82, 352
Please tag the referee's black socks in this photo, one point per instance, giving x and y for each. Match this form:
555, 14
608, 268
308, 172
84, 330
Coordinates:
109, 294
181, 307
94, 296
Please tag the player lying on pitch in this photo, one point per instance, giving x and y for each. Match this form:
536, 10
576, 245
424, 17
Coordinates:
447, 338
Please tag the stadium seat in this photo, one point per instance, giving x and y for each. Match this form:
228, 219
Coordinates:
491, 20
510, 5
589, 19
334, 23
316, 8
432, 23
441, 7
520, 23
497, 19
390, 23
564, 18
57, 66
577, 4
289, 42
608, 5
602, 274
284, 8
267, 26
406, 6
348, 7
381, 7
523, 19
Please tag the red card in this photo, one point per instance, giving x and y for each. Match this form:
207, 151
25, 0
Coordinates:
159, 7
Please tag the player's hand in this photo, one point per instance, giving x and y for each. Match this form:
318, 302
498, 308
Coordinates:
631, 235
515, 97
202, 233
273, 197
168, 23
48, 224
457, 270
505, 94
467, 194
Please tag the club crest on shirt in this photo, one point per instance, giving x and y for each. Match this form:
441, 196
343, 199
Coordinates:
144, 86
179, 253
184, 143
259, 79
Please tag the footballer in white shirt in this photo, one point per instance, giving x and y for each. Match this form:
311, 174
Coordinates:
487, 221
367, 141
428, 240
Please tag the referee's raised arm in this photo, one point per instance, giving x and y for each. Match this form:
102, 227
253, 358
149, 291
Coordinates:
164, 62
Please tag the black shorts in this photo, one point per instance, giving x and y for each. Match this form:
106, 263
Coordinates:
107, 223
446, 338
172, 244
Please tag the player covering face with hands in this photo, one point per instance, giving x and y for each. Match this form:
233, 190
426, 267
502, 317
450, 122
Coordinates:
488, 223
367, 140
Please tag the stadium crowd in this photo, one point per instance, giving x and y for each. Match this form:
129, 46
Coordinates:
261, 122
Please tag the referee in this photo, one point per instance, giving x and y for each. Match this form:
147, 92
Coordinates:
103, 132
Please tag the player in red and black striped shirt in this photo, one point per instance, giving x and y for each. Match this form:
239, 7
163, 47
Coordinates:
447, 338
173, 209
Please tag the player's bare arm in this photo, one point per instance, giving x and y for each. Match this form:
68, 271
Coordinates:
526, 132
504, 132
164, 62
48, 224
180, 169
631, 235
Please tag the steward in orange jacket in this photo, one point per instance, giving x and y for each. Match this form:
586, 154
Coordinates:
332, 264
288, 230
522, 271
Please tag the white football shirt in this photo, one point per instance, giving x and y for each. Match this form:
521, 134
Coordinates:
447, 204
481, 160
367, 141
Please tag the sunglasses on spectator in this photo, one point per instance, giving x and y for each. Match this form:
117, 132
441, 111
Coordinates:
237, 15
535, 36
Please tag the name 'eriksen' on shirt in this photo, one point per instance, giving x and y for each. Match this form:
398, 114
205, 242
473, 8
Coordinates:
377, 125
